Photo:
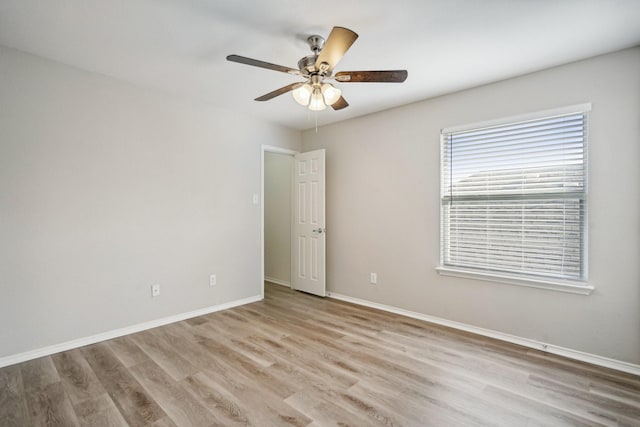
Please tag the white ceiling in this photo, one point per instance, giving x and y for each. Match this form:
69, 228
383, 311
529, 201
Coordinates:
179, 46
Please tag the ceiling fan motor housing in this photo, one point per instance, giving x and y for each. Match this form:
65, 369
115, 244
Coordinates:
316, 43
307, 65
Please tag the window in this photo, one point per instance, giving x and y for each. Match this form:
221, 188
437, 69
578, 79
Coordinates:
513, 200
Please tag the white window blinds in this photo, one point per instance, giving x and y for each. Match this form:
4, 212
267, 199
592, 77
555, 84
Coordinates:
514, 198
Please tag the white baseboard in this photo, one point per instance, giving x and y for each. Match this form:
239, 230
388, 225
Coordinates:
80, 342
526, 342
277, 281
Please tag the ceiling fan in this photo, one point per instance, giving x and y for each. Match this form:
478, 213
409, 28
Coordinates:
316, 68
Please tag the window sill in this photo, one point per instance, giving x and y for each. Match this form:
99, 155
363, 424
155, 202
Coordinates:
549, 284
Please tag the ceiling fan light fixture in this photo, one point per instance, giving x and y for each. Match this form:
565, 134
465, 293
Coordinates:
317, 101
302, 95
330, 93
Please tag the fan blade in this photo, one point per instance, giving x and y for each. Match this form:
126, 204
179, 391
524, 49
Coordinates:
256, 63
340, 104
391, 76
337, 44
279, 92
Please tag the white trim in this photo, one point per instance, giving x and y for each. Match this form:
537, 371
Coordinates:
540, 283
262, 151
578, 108
81, 342
277, 281
278, 150
526, 342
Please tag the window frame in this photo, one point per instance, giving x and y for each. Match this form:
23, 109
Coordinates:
555, 284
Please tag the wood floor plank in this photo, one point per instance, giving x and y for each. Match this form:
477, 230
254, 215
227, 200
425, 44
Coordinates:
260, 408
164, 422
46, 400
225, 406
164, 354
38, 373
445, 391
290, 322
49, 406
596, 407
99, 411
240, 344
472, 368
127, 351
135, 404
323, 411
630, 397
301, 360
537, 413
78, 379
248, 368
172, 398
13, 406
307, 362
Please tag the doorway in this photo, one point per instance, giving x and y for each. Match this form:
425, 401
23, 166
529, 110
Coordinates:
293, 238
277, 214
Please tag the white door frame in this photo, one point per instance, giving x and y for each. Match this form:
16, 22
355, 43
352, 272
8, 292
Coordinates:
279, 150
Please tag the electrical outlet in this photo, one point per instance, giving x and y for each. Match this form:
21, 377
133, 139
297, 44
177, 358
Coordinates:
374, 278
155, 290
213, 280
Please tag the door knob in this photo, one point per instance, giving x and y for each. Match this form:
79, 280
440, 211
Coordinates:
319, 230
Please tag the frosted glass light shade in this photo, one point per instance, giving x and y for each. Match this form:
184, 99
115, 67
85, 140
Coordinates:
317, 101
331, 94
302, 95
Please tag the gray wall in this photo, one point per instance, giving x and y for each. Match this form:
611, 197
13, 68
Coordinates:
107, 188
383, 209
277, 216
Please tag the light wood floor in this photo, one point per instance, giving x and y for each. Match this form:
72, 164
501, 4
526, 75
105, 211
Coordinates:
295, 359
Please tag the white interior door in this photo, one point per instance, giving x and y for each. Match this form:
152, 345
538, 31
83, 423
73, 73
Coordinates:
309, 233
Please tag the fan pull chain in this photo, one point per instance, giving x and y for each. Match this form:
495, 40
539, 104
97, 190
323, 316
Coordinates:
315, 116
